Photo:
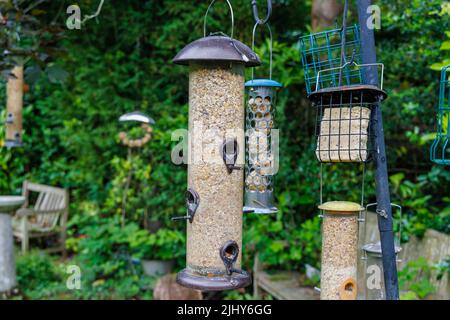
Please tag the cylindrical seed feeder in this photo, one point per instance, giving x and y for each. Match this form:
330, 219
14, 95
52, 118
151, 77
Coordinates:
260, 142
343, 126
373, 267
216, 160
14, 106
339, 250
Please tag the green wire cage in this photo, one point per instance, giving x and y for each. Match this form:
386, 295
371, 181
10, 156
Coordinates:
440, 149
321, 51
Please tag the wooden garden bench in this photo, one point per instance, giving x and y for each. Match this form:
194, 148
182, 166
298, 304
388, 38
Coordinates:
44, 217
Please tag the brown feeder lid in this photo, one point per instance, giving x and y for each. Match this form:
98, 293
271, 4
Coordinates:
372, 93
341, 207
217, 48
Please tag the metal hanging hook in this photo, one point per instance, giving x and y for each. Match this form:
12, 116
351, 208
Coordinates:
344, 41
232, 18
270, 48
258, 20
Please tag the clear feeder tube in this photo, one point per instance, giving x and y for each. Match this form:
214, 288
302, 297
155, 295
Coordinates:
261, 160
216, 95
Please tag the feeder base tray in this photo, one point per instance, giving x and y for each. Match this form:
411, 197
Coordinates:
233, 282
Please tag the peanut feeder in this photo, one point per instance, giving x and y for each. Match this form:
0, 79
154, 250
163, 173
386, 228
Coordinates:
261, 140
216, 158
339, 250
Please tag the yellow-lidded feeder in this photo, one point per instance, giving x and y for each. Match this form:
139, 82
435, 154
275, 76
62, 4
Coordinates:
339, 250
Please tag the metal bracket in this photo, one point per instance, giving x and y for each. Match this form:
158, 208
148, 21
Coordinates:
229, 152
192, 204
229, 254
382, 213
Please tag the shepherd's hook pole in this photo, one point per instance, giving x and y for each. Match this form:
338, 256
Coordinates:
384, 210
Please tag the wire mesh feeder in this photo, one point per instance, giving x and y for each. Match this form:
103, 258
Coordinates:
343, 126
261, 156
440, 149
320, 51
261, 139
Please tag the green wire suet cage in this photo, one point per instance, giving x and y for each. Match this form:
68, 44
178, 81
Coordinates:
320, 51
440, 149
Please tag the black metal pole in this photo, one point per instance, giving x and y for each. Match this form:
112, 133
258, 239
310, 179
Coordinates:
384, 209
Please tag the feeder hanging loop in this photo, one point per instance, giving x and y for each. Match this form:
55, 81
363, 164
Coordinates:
232, 17
258, 20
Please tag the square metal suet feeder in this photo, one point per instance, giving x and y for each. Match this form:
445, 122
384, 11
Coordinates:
344, 116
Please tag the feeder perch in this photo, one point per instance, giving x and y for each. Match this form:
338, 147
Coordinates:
216, 144
339, 250
440, 149
14, 106
320, 51
260, 142
343, 125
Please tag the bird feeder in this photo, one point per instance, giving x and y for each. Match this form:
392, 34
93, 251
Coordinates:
216, 158
260, 142
374, 288
322, 50
440, 149
344, 113
339, 250
14, 106
373, 266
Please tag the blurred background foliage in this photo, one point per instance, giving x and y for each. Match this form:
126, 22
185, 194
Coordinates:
121, 62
